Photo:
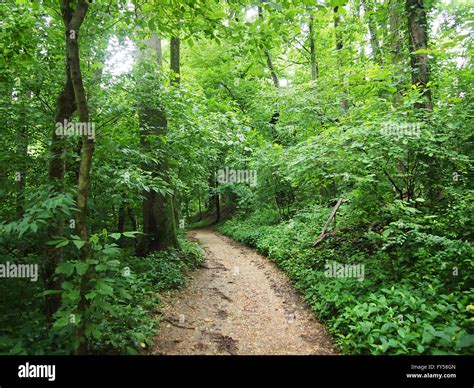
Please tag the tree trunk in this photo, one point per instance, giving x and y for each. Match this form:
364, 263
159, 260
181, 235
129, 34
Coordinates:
65, 107
159, 218
121, 219
395, 35
314, 64
133, 221
175, 60
418, 39
214, 201
339, 47
396, 45
268, 57
72, 36
20, 175
372, 24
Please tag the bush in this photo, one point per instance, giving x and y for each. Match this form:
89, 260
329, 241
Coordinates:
408, 303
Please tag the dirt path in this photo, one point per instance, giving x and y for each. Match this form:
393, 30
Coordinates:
239, 303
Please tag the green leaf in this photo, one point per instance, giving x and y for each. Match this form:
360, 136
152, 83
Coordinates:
125, 294
101, 267
466, 341
81, 268
78, 243
66, 268
104, 289
130, 234
63, 243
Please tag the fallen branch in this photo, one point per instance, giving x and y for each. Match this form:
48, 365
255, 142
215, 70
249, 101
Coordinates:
324, 233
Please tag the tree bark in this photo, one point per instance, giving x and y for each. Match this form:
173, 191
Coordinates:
20, 175
268, 57
72, 36
312, 47
65, 107
396, 44
395, 35
159, 218
175, 60
418, 39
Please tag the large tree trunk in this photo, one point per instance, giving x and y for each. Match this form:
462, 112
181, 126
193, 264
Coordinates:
159, 225
395, 45
394, 9
420, 74
65, 107
159, 218
418, 39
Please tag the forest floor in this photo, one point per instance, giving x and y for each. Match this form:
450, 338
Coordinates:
237, 303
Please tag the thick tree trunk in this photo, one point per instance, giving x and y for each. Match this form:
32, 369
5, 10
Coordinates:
396, 44
65, 107
418, 39
159, 222
159, 225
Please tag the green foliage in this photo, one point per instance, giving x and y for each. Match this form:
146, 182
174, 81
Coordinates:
354, 130
409, 302
123, 302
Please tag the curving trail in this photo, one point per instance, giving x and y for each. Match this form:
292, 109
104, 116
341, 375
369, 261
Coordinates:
238, 303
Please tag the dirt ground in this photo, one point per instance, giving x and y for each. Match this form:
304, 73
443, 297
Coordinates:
239, 303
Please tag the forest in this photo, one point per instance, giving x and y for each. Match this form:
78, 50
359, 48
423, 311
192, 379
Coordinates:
243, 157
